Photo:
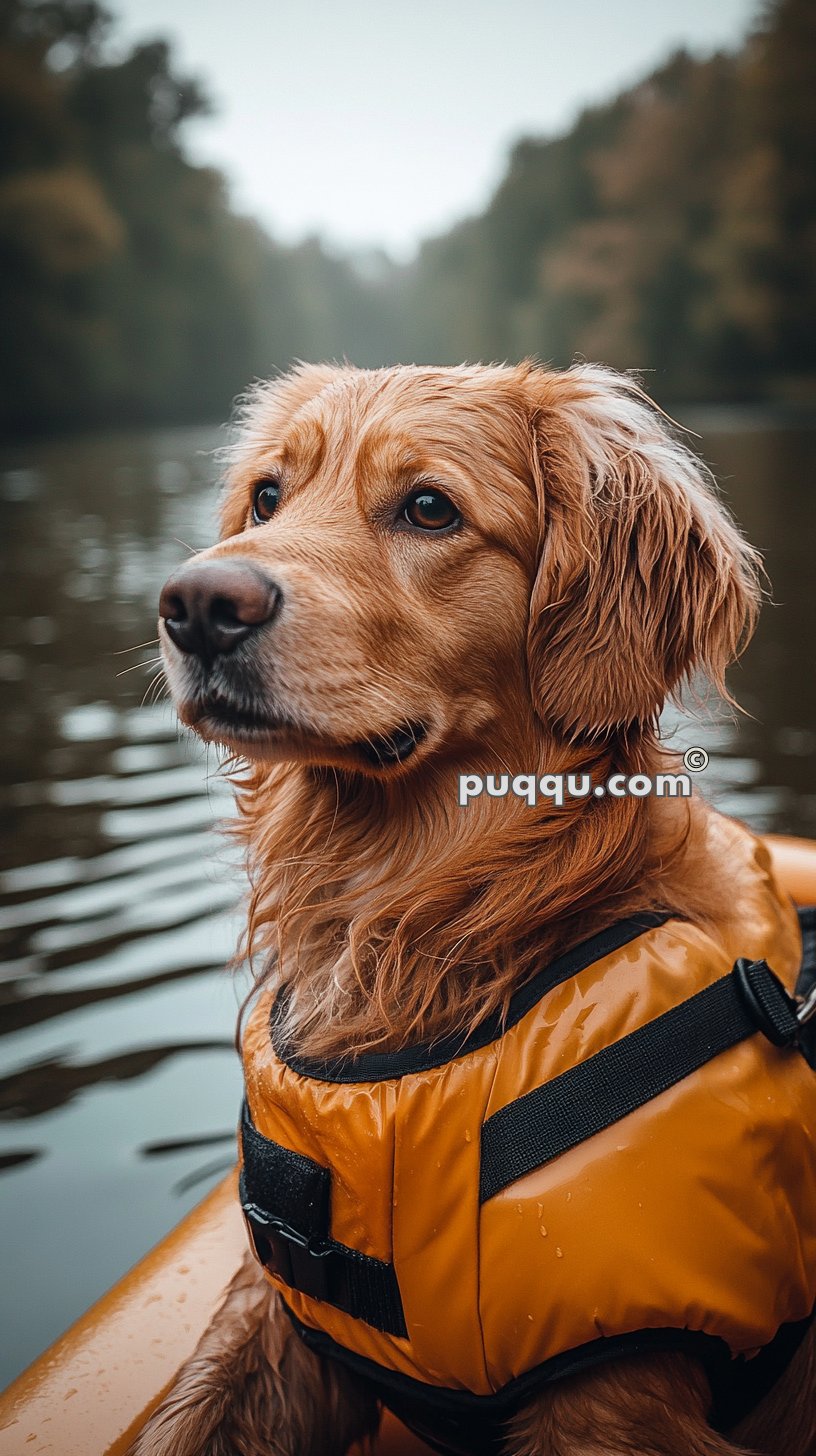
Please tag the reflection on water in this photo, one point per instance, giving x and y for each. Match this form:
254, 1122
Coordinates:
119, 1086
119, 1082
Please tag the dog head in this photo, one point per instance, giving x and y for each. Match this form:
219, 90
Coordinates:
418, 562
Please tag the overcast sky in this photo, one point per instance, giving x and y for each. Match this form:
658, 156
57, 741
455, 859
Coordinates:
377, 122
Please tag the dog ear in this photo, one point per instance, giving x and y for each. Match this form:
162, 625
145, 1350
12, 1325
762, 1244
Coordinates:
643, 580
260, 417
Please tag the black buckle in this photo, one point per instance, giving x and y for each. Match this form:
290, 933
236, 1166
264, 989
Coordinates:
768, 1002
300, 1261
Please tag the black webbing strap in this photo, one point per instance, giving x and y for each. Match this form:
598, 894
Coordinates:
296, 1187
286, 1201
592, 1096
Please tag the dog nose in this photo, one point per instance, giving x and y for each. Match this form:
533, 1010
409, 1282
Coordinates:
211, 606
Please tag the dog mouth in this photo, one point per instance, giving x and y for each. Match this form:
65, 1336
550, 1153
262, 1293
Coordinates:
383, 750
216, 715
237, 719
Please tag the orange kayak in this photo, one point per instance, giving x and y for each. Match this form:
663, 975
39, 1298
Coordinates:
91, 1391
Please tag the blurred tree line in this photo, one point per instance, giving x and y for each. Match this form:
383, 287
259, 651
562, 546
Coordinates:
673, 229
129, 290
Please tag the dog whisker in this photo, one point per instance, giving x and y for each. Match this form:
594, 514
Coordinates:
138, 665
153, 642
154, 688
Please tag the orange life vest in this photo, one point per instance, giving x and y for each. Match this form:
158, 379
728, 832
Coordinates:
626, 1163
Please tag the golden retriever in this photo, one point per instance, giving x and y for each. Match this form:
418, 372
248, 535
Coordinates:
465, 570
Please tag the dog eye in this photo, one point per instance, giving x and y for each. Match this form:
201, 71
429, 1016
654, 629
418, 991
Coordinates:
430, 510
265, 500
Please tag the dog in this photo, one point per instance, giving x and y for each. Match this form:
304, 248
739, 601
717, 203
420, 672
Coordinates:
424, 572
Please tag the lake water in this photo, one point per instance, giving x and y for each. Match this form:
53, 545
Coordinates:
118, 900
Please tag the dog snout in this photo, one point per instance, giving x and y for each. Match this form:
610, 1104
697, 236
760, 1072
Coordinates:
210, 607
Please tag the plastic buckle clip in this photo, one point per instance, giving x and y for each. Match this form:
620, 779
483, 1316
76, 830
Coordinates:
300, 1260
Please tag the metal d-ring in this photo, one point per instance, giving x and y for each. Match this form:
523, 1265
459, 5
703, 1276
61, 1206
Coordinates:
806, 1009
